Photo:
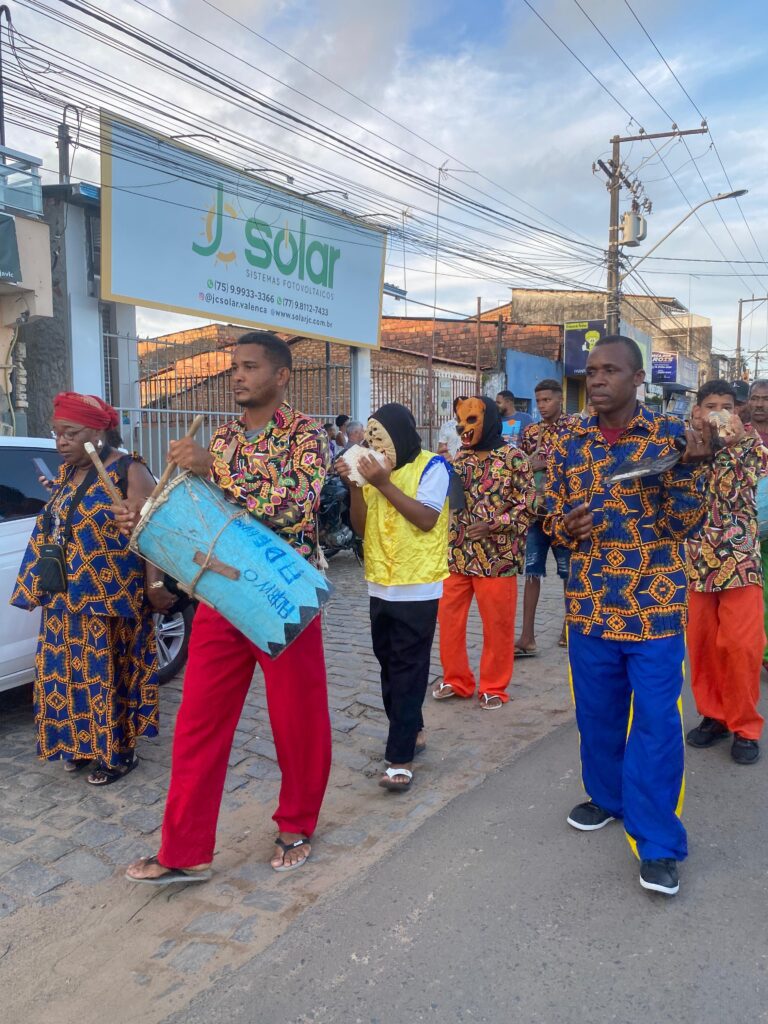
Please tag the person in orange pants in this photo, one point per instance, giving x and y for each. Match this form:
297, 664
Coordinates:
496, 602
725, 644
486, 553
726, 636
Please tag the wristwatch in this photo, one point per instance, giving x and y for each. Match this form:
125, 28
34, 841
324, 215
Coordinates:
156, 585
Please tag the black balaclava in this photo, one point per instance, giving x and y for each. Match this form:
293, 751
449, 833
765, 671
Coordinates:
491, 438
401, 427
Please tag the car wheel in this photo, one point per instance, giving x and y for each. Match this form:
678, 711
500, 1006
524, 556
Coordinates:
172, 630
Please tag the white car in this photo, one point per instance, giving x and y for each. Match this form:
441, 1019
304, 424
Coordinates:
21, 498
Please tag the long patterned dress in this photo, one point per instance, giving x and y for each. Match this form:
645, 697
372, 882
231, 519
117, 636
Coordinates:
96, 687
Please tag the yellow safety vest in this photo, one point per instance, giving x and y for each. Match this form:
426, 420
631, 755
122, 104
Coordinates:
398, 553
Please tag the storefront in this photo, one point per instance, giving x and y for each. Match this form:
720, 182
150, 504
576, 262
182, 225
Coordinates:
678, 377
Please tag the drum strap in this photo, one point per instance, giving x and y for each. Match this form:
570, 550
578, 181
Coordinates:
208, 561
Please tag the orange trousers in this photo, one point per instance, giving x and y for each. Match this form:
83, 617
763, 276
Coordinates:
496, 602
726, 638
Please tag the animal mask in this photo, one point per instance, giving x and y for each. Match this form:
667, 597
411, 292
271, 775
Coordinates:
470, 421
379, 439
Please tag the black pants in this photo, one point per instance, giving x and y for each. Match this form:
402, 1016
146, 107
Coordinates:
402, 634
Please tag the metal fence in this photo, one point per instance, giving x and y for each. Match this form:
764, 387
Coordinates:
181, 379
150, 431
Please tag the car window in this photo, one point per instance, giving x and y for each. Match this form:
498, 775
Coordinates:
21, 493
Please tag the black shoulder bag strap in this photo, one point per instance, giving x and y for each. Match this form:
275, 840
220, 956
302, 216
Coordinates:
77, 498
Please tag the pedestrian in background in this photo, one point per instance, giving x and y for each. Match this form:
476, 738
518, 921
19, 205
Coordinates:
726, 636
448, 440
341, 436
486, 553
626, 606
538, 442
513, 421
402, 515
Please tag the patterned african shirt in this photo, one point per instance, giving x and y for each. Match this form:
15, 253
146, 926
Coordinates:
498, 489
104, 577
549, 434
628, 580
277, 475
727, 552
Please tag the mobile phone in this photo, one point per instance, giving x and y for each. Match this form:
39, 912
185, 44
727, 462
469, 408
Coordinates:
43, 470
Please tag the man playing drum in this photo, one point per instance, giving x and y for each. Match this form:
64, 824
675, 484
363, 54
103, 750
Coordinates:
273, 461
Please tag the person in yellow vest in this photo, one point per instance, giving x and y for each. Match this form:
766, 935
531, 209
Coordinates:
402, 514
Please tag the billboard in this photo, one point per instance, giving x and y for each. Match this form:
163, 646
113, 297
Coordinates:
578, 339
185, 233
675, 368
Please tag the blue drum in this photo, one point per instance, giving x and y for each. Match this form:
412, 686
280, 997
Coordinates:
762, 507
226, 558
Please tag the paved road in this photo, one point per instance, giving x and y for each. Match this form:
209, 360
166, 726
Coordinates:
496, 911
63, 846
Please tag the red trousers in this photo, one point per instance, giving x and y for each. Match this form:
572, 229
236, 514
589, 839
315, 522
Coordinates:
218, 676
726, 638
496, 602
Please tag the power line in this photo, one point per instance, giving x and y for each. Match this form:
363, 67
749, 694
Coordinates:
576, 57
698, 111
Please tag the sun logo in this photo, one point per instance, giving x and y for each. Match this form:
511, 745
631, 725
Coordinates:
214, 229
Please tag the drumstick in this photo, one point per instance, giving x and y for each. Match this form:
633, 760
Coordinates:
197, 422
106, 479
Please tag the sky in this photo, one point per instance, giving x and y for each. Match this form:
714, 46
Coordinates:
488, 88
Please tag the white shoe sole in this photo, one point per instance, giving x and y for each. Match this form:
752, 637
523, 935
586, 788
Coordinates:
655, 887
588, 828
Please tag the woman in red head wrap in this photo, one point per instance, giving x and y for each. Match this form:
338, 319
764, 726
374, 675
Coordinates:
96, 685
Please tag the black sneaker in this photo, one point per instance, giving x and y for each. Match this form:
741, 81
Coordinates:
744, 751
588, 817
707, 732
660, 876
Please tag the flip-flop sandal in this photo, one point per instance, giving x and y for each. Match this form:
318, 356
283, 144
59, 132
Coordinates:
285, 847
387, 781
526, 652
444, 692
106, 776
172, 876
76, 764
491, 702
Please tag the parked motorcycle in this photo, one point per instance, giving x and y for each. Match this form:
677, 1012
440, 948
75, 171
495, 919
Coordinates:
335, 532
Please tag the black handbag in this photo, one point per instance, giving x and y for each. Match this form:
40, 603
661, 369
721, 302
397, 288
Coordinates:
52, 560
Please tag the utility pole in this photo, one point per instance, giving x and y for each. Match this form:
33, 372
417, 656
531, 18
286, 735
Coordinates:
739, 367
62, 142
4, 10
477, 348
616, 179
405, 213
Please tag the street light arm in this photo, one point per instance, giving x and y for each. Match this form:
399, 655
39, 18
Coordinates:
693, 209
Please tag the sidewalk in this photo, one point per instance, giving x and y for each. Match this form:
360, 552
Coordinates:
77, 933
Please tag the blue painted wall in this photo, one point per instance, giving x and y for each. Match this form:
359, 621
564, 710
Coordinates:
524, 372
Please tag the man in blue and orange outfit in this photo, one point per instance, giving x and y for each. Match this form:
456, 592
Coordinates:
626, 606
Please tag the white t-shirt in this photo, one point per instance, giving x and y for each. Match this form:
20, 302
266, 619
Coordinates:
449, 437
432, 492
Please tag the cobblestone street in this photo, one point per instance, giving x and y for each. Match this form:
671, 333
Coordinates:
71, 920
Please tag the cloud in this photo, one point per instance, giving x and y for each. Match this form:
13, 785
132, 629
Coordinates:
492, 87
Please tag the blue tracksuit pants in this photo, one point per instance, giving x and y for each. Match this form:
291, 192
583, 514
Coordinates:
629, 715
